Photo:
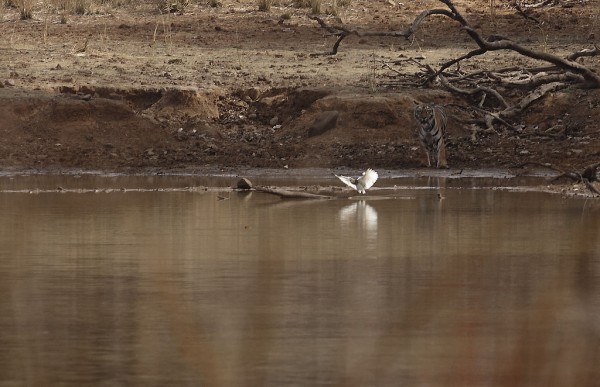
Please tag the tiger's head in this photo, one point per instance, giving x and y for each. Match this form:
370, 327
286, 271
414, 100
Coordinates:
423, 112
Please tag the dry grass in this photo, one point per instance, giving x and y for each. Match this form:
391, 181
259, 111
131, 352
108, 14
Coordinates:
167, 31
173, 6
25, 8
372, 75
79, 7
63, 8
265, 5
332, 7
337, 6
315, 6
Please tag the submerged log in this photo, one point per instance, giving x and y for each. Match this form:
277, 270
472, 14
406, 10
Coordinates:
282, 193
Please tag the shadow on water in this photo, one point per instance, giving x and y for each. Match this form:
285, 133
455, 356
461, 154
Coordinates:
430, 286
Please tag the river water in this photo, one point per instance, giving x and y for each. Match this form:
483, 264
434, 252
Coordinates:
148, 283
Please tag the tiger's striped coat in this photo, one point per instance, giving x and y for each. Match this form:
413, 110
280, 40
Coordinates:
432, 130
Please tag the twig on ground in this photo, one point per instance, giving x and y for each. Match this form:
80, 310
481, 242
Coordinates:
541, 4
521, 12
585, 52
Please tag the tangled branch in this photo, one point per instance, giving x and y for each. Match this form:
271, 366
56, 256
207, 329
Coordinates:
587, 176
576, 71
486, 86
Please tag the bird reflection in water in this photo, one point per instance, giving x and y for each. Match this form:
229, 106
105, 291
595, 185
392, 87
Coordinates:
361, 217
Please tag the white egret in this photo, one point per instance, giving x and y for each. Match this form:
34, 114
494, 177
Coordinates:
361, 184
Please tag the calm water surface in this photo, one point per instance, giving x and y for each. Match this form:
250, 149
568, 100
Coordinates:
155, 288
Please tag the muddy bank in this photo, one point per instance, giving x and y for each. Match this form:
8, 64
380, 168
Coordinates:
312, 180
183, 129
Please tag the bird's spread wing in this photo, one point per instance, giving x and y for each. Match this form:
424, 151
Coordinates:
368, 178
347, 181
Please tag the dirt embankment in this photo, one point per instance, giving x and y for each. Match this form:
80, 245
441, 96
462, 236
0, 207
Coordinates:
235, 87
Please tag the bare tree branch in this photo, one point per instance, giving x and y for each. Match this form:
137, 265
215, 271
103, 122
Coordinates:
449, 63
544, 165
494, 74
540, 4
542, 78
530, 98
590, 77
489, 117
343, 31
476, 90
552, 3
493, 43
521, 12
585, 52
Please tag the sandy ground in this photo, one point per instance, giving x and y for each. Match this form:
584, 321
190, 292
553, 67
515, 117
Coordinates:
231, 88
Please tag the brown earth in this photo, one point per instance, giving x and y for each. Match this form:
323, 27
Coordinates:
234, 87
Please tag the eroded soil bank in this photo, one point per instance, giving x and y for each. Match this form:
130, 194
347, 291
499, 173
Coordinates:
106, 128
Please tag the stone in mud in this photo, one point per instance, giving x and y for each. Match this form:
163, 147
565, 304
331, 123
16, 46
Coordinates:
244, 183
324, 122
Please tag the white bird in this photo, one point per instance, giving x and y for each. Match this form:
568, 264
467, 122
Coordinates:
363, 183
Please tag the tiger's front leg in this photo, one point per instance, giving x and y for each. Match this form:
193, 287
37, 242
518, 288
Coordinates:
441, 159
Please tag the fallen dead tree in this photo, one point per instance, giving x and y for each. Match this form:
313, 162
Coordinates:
524, 9
285, 194
342, 31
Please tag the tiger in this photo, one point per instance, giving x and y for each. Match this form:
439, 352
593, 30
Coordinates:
432, 122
